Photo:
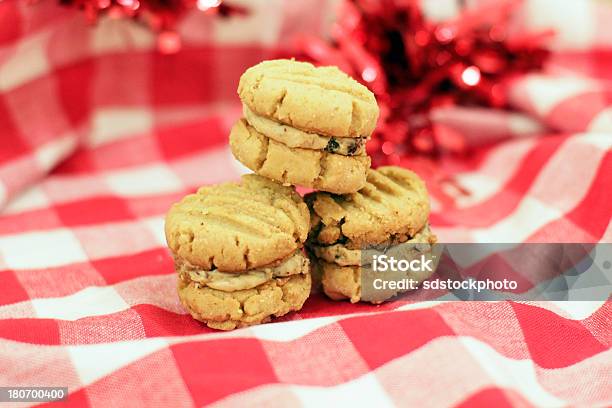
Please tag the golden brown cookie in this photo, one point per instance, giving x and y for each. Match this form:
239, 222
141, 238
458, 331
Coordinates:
387, 216
393, 205
344, 278
230, 310
320, 100
310, 168
233, 227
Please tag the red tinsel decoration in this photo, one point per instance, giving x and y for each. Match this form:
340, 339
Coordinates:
160, 15
414, 65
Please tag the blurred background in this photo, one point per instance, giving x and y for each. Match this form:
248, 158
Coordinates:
469, 92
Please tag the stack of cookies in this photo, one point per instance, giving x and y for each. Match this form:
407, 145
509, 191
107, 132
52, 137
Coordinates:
305, 126
389, 215
238, 251
238, 247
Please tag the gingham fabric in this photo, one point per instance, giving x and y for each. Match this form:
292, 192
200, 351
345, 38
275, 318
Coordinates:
99, 134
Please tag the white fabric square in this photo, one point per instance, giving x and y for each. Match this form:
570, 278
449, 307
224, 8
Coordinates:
571, 20
143, 180
546, 92
156, 227
602, 122
27, 63
3, 194
92, 301
112, 35
41, 249
189, 169
115, 239
363, 391
65, 188
32, 198
95, 361
113, 124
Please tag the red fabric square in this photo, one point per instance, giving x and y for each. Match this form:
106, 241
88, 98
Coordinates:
12, 144
158, 322
126, 152
215, 369
494, 397
74, 90
379, 343
11, 31
148, 206
194, 137
206, 74
76, 399
123, 79
44, 218
94, 210
193, 86
122, 268
80, 161
35, 331
546, 335
12, 291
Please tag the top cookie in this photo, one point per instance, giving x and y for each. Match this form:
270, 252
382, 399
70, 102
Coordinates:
320, 100
233, 227
394, 202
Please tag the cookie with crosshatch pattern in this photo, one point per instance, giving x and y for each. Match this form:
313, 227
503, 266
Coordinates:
237, 249
391, 211
304, 125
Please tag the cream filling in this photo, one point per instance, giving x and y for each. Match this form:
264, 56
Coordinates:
292, 137
341, 255
231, 282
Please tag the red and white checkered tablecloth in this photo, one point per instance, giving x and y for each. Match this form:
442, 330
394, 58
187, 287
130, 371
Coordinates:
99, 134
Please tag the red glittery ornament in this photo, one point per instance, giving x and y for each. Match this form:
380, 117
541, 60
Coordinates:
414, 65
160, 15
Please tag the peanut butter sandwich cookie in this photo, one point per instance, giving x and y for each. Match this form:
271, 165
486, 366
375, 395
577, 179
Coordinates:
304, 125
388, 216
237, 249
